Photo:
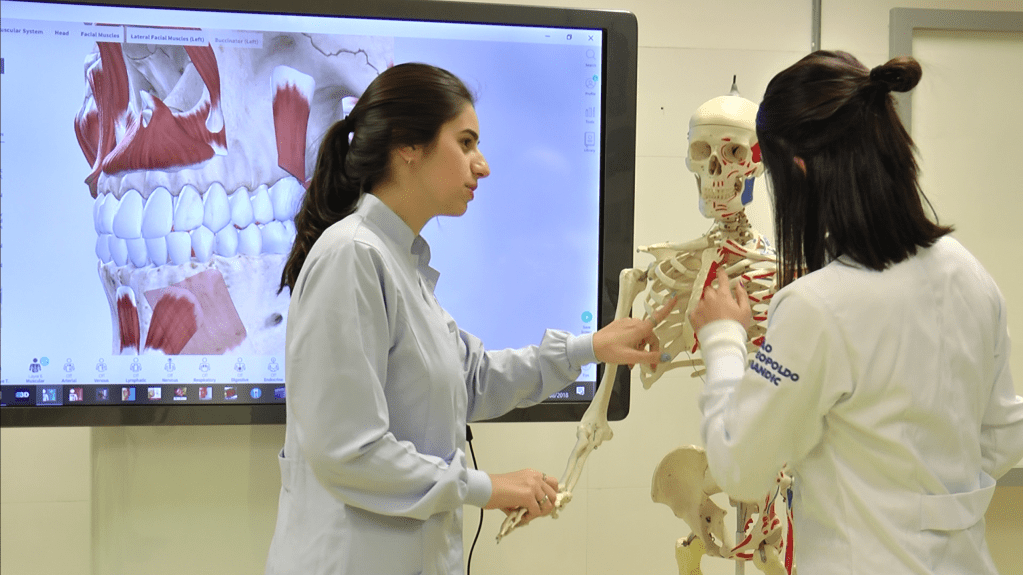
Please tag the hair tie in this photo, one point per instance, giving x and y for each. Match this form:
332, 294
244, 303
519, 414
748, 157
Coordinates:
884, 78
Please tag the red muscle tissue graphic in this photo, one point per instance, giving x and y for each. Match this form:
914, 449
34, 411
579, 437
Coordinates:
198, 157
291, 117
128, 320
194, 316
154, 137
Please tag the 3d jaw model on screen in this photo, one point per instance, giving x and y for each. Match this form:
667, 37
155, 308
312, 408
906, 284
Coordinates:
724, 156
199, 160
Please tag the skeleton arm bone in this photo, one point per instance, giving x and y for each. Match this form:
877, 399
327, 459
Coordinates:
621, 341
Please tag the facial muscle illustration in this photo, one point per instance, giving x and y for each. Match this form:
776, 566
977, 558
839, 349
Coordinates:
198, 161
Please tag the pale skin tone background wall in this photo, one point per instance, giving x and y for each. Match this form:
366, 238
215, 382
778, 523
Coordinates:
204, 499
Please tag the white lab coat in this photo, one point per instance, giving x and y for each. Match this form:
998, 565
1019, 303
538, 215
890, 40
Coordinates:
380, 384
890, 397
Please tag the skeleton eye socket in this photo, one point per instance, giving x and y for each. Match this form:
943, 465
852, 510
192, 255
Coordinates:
699, 151
734, 152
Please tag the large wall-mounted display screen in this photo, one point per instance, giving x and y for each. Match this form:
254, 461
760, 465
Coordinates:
153, 159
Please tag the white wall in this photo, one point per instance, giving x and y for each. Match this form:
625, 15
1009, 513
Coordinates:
185, 499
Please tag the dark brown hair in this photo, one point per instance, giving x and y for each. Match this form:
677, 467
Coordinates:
406, 105
859, 195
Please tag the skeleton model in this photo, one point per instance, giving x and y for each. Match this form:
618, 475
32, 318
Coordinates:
725, 157
198, 160
681, 482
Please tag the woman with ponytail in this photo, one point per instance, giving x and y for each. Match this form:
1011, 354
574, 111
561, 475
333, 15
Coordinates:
381, 381
897, 412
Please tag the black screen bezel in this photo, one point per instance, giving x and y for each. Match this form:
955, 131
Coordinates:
616, 208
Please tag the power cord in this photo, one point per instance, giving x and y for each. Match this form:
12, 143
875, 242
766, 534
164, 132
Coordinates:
479, 528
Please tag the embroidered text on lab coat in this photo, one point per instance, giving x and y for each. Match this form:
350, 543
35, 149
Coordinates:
770, 369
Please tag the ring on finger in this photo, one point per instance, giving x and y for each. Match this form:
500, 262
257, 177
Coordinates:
544, 500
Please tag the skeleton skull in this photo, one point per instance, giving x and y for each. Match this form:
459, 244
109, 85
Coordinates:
199, 157
724, 154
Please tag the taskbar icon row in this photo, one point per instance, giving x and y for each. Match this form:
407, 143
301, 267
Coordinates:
140, 394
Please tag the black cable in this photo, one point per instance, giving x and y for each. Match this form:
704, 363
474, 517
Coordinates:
468, 565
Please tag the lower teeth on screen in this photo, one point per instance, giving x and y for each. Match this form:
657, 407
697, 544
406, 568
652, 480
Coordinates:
193, 272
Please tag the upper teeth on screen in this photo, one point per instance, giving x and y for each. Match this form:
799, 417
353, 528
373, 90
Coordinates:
194, 225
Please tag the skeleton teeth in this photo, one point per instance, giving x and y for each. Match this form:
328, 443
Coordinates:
189, 213
158, 215
179, 247
107, 211
250, 240
103, 248
227, 242
275, 239
218, 209
241, 208
262, 209
157, 248
97, 210
118, 251
286, 196
137, 252
128, 220
202, 243
166, 229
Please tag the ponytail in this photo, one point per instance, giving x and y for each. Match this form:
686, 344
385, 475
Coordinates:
405, 105
900, 74
859, 196
330, 197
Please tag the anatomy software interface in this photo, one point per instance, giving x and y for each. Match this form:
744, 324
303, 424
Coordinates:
153, 163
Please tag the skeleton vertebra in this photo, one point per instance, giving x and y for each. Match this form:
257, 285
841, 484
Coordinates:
724, 155
199, 157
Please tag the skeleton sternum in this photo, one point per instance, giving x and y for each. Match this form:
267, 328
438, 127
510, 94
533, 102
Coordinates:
685, 269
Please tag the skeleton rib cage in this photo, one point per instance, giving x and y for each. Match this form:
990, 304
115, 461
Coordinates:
685, 270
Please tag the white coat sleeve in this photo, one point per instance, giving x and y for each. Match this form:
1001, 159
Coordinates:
499, 381
339, 335
1001, 437
760, 417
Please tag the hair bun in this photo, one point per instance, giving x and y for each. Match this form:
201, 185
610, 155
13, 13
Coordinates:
900, 74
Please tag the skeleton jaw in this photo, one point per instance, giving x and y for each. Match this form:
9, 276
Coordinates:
199, 158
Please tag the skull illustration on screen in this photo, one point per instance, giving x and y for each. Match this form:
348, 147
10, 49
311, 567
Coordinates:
199, 157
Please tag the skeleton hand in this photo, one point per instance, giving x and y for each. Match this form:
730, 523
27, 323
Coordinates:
524, 495
513, 520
